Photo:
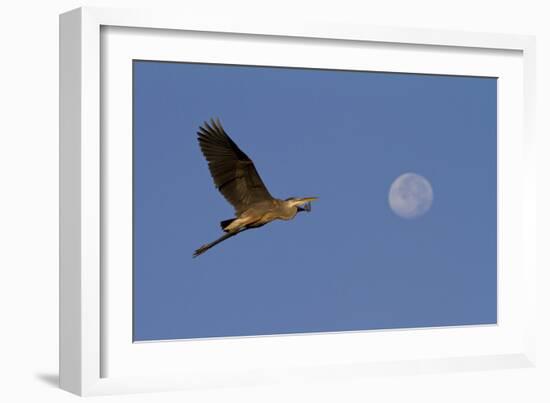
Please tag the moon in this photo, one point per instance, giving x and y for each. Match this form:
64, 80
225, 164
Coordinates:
410, 195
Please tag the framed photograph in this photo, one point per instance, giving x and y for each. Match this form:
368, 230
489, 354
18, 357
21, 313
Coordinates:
245, 202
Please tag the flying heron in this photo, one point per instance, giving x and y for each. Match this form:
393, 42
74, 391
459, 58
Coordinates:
238, 181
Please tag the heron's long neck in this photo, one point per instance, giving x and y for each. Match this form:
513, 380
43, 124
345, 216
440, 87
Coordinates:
287, 210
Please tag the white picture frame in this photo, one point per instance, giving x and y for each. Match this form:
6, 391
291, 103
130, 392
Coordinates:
97, 355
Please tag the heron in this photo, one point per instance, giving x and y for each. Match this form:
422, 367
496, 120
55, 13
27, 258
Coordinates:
237, 179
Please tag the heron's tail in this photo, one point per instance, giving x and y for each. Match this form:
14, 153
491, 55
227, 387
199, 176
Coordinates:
207, 246
225, 223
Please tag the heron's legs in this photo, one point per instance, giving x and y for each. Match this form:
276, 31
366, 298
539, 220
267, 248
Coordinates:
225, 236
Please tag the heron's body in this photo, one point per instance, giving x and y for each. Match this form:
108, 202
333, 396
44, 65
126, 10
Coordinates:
238, 181
261, 213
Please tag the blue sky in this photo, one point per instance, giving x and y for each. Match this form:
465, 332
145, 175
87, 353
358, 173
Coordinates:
351, 264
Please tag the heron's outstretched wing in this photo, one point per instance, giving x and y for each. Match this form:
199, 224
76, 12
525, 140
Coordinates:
233, 172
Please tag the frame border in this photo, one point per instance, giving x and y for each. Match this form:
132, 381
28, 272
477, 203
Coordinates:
80, 307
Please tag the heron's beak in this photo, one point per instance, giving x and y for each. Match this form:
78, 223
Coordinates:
307, 199
305, 202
